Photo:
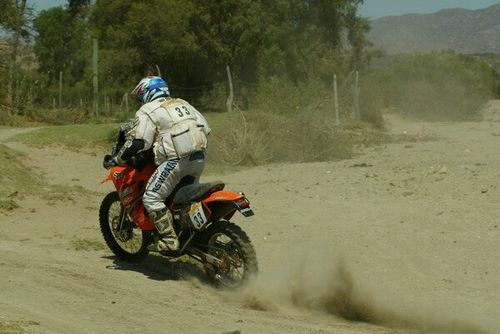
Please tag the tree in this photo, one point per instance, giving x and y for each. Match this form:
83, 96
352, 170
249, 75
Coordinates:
192, 41
135, 38
77, 6
63, 44
60, 44
15, 20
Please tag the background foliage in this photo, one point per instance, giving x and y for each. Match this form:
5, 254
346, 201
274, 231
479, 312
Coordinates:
287, 41
282, 54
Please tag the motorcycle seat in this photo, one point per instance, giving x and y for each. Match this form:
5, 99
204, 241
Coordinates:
196, 192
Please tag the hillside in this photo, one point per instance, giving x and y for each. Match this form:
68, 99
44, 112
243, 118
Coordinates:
466, 31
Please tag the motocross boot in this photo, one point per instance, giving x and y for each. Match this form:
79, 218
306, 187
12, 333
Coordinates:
168, 241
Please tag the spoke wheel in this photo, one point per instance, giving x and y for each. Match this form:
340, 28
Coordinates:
123, 237
237, 261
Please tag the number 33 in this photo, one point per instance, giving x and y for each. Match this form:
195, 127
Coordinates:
180, 111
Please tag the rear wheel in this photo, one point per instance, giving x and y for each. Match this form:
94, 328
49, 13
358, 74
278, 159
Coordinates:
123, 237
237, 262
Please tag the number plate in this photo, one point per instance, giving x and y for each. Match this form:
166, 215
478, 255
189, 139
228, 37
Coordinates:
197, 215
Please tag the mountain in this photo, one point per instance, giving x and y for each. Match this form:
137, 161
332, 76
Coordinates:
465, 31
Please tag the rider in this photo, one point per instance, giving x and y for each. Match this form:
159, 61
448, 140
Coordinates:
177, 132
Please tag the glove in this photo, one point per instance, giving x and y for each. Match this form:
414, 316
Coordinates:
109, 161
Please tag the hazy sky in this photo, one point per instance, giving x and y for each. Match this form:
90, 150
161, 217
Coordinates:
371, 8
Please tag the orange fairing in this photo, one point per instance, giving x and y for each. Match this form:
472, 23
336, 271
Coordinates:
130, 184
223, 196
112, 173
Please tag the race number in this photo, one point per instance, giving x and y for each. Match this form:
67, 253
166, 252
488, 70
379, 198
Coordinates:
197, 215
180, 112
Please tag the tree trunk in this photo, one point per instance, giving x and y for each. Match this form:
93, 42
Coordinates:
19, 22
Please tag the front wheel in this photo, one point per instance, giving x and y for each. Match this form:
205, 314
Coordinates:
123, 237
237, 262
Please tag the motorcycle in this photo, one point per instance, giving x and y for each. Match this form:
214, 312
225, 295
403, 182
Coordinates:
201, 212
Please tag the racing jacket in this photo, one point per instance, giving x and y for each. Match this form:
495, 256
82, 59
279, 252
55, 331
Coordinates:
173, 127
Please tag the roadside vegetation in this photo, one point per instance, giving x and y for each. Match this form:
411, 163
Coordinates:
240, 138
91, 138
282, 56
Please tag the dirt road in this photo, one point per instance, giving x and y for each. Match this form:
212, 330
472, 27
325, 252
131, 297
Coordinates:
404, 238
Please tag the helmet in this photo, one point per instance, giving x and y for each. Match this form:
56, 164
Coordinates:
150, 88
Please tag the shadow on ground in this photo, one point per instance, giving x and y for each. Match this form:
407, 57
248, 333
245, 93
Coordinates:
162, 269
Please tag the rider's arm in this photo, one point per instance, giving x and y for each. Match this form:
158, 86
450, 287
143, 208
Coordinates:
141, 139
129, 149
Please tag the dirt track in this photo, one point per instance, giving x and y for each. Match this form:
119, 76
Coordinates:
405, 236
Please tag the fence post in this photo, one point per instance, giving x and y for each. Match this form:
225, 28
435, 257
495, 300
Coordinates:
355, 105
336, 100
229, 102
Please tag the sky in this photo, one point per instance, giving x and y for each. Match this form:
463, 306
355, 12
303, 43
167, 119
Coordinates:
44, 4
372, 8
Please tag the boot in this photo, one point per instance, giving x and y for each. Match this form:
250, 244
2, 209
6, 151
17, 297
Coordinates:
168, 241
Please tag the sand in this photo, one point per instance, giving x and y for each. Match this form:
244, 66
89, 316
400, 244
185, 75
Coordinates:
404, 238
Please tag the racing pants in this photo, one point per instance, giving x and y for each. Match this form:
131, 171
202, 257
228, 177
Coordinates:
168, 175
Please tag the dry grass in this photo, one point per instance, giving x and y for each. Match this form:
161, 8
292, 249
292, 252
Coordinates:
7, 205
257, 138
17, 327
80, 244
241, 138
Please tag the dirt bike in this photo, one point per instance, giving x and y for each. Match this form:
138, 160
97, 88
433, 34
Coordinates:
201, 219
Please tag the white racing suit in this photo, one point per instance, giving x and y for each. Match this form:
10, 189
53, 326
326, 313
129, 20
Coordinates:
178, 134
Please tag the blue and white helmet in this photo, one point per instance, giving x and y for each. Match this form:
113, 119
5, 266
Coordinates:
151, 88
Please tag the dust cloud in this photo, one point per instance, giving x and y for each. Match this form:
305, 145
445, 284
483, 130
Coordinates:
325, 285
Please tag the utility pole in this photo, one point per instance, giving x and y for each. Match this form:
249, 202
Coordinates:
95, 103
229, 102
60, 89
20, 8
